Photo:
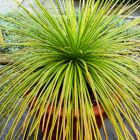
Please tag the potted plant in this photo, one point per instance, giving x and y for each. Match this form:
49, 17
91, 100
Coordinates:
78, 65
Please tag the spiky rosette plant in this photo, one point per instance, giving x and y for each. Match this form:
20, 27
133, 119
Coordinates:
72, 58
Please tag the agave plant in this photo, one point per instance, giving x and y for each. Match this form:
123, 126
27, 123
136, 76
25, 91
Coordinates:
74, 58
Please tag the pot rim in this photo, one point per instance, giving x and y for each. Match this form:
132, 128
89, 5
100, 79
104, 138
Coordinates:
76, 114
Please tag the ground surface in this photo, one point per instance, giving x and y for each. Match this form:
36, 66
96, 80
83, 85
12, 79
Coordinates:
110, 131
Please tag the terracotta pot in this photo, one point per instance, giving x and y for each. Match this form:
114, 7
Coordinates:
49, 115
97, 116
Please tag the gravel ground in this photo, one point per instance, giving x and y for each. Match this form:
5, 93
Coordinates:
109, 127
110, 131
